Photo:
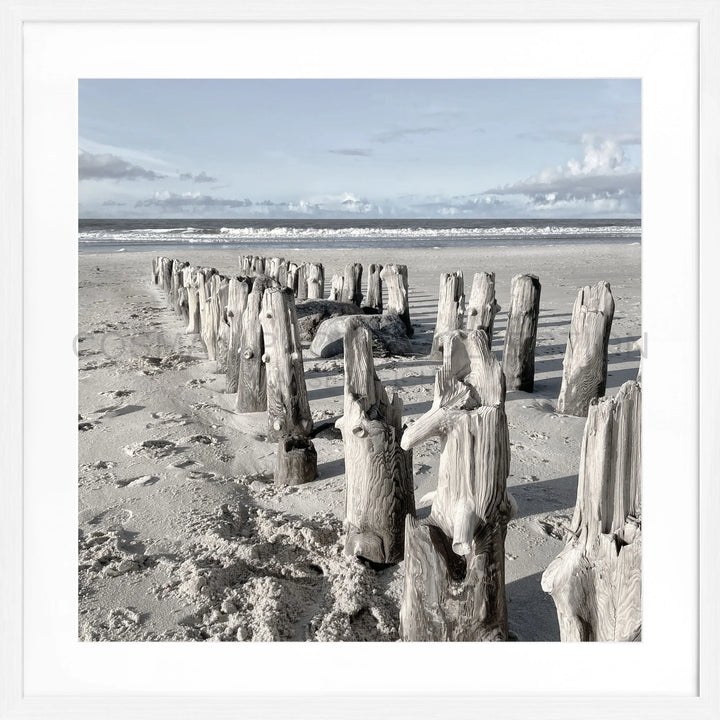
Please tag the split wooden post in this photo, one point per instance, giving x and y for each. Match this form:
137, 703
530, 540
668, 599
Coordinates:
287, 402
374, 300
314, 274
302, 285
238, 292
246, 262
258, 265
395, 278
292, 277
272, 267
336, 288
483, 306
451, 309
352, 282
521, 335
166, 274
204, 285
251, 391
586, 354
379, 477
595, 582
458, 553
177, 289
217, 306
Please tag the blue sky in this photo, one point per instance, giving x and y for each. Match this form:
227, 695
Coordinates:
359, 148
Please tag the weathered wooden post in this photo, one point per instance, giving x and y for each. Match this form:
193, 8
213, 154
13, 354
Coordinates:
166, 274
296, 461
373, 301
292, 276
519, 351
272, 267
204, 280
596, 580
336, 288
451, 308
251, 392
352, 281
217, 304
302, 286
176, 287
379, 489
288, 407
454, 585
246, 262
395, 278
190, 275
586, 354
258, 265
156, 270
482, 306
238, 292
314, 274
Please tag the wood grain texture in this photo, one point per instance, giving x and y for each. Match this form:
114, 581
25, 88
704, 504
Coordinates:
238, 291
458, 551
190, 284
586, 354
395, 278
520, 337
451, 310
287, 402
352, 284
596, 581
482, 306
373, 300
378, 471
251, 392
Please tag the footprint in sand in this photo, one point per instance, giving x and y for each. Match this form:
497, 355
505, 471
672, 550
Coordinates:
85, 426
151, 448
116, 411
201, 440
117, 393
141, 481
167, 418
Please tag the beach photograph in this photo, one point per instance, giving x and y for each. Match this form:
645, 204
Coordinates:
359, 360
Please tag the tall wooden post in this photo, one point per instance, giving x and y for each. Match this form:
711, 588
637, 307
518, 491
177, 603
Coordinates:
258, 266
302, 284
166, 274
378, 471
482, 306
292, 276
454, 586
520, 337
314, 274
238, 292
374, 299
586, 353
395, 278
251, 392
288, 407
596, 580
352, 283
451, 309
190, 275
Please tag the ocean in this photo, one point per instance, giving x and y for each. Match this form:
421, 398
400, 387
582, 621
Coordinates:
149, 234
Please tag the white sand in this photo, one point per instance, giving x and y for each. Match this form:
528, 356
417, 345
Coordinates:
189, 539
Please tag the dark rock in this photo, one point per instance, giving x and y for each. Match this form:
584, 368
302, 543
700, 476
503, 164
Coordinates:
388, 331
311, 313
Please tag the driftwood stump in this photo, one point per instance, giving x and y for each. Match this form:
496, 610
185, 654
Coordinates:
287, 402
454, 587
251, 392
336, 288
596, 580
296, 461
482, 306
395, 278
352, 282
451, 308
373, 301
314, 274
586, 354
519, 351
292, 277
379, 475
238, 292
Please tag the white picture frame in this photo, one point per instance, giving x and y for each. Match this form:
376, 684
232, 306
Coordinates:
16, 505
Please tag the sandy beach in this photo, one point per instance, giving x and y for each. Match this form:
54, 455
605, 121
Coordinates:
182, 533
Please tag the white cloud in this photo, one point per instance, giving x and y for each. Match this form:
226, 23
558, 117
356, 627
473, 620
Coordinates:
601, 182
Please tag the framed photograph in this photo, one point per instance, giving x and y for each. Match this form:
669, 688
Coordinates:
481, 120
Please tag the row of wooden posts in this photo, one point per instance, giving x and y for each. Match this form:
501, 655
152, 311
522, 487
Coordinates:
585, 364
454, 581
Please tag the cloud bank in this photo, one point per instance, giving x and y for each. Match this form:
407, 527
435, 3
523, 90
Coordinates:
111, 167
